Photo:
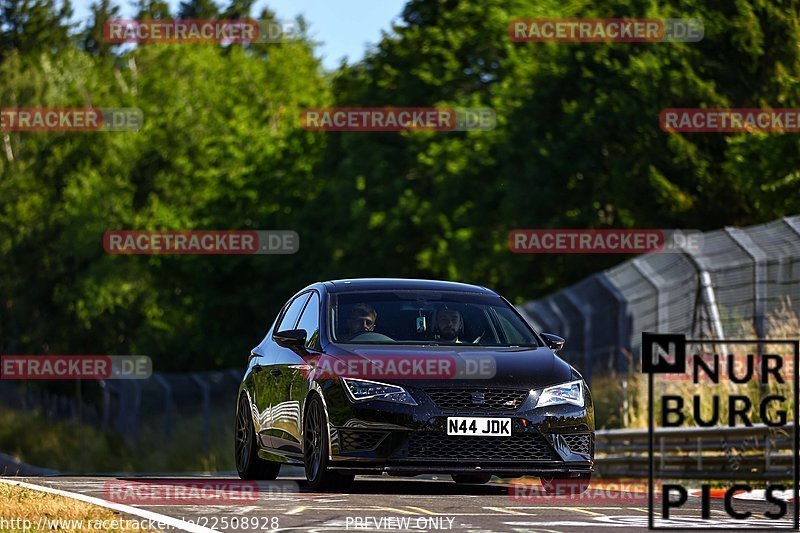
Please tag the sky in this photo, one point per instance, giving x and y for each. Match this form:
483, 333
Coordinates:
344, 27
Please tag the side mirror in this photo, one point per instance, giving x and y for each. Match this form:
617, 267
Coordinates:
554, 342
291, 338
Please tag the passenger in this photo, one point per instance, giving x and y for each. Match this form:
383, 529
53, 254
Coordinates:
449, 325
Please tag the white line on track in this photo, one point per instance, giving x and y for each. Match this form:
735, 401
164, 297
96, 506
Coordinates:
122, 508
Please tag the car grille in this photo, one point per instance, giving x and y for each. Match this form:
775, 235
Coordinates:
518, 447
478, 399
579, 443
354, 440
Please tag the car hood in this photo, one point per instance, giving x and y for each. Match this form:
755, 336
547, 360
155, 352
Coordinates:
453, 366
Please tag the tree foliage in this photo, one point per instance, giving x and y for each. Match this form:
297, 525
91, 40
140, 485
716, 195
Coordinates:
577, 144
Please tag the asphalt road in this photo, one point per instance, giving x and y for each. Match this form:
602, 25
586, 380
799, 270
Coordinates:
432, 503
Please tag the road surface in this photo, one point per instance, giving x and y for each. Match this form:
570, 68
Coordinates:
431, 503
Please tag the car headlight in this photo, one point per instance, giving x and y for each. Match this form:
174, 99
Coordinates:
362, 389
570, 392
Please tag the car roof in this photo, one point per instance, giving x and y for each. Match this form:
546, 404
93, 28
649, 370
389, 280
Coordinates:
371, 284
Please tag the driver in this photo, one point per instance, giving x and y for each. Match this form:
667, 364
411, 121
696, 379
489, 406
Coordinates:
362, 319
449, 324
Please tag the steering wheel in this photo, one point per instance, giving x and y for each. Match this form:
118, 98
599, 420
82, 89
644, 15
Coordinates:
371, 336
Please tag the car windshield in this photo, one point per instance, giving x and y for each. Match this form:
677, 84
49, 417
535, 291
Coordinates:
426, 317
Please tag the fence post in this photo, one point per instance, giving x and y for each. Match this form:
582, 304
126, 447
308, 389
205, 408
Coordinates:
560, 316
584, 311
699, 454
237, 375
167, 406
108, 389
133, 422
646, 271
623, 331
708, 296
528, 318
710, 302
124, 401
759, 275
625, 404
206, 410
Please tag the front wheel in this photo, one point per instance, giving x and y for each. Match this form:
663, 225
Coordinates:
566, 486
248, 463
315, 451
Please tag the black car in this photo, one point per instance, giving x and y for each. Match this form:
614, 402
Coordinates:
407, 377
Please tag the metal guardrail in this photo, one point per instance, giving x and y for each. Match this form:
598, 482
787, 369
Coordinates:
742, 453
126, 407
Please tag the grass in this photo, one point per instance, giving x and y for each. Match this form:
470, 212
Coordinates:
18, 504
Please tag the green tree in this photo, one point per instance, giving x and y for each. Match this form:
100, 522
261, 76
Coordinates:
152, 9
198, 10
238, 9
219, 149
30, 26
93, 39
577, 142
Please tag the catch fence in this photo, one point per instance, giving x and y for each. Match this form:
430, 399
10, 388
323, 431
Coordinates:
734, 282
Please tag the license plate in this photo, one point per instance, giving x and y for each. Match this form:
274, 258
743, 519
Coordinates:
479, 427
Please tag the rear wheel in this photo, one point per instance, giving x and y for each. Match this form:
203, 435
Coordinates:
566, 486
315, 451
248, 463
475, 479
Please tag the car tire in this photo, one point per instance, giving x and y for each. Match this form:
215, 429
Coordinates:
315, 451
248, 464
566, 486
471, 479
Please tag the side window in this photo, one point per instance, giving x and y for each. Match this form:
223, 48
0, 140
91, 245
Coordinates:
292, 312
513, 329
513, 336
309, 321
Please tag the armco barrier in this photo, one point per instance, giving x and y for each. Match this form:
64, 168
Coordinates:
742, 453
126, 407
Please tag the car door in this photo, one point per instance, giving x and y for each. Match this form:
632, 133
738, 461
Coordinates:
265, 364
291, 383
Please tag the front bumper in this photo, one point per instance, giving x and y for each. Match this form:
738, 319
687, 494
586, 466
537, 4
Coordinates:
377, 436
